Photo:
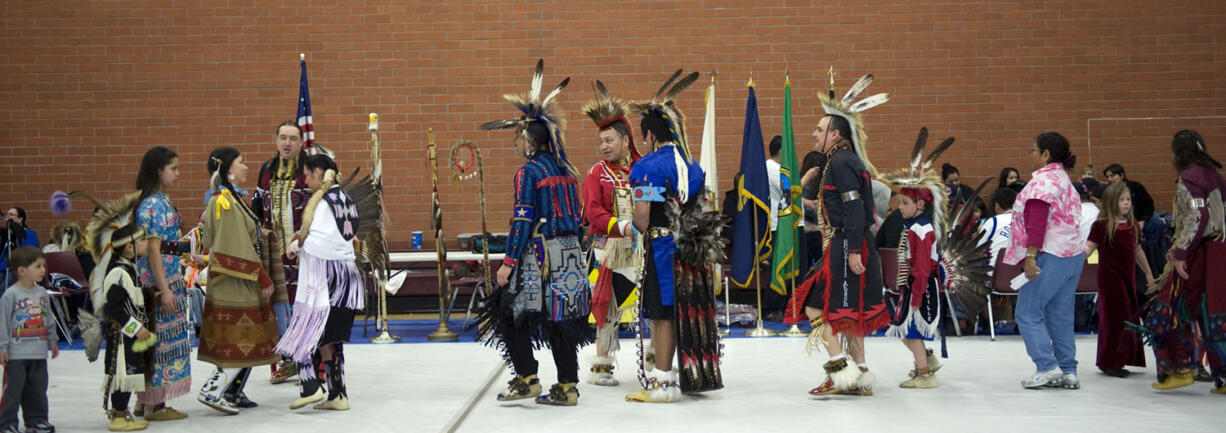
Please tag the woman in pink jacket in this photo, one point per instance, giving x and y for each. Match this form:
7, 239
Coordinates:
1045, 235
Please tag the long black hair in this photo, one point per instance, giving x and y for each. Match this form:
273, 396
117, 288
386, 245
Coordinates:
219, 163
320, 161
1189, 149
1057, 148
657, 127
149, 178
538, 137
1004, 176
21, 213
948, 169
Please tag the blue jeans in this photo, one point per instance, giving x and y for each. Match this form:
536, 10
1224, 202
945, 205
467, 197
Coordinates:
1044, 312
282, 310
195, 313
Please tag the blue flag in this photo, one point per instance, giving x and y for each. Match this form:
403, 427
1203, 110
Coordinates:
751, 229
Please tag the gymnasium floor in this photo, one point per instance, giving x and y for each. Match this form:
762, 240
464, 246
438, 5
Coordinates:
433, 387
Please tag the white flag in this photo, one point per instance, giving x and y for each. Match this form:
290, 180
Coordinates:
707, 159
708, 162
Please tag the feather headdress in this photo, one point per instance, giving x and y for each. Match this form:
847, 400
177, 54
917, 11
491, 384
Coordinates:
963, 253
537, 109
606, 110
919, 180
849, 109
661, 104
110, 216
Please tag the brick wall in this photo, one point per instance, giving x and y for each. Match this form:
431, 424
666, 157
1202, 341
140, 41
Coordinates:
87, 86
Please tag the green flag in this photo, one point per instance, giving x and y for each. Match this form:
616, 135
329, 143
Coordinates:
784, 254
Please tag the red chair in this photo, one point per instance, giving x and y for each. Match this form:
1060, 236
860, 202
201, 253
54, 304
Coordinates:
1088, 284
1002, 275
68, 264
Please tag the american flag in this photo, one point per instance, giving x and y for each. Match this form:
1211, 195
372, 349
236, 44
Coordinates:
304, 110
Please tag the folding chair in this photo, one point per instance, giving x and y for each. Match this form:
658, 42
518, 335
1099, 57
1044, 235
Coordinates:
1088, 283
71, 281
1002, 275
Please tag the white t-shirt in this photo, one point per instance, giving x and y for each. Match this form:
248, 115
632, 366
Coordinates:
995, 231
772, 175
324, 240
1089, 214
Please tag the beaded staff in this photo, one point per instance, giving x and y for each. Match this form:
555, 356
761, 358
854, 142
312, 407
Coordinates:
436, 221
463, 170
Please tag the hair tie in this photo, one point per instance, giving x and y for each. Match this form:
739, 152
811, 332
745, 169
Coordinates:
1070, 161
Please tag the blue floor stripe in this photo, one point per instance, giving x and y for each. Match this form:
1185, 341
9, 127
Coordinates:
417, 330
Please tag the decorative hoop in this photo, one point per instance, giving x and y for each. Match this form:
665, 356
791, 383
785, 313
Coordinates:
464, 167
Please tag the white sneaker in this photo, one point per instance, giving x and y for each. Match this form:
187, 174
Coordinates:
211, 393
1069, 381
1049, 378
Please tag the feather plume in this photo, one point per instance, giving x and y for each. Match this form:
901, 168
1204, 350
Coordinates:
917, 152
601, 91
555, 92
534, 92
604, 107
870, 102
855, 89
656, 97
936, 153
680, 86
534, 110
502, 124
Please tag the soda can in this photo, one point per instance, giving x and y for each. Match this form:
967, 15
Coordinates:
417, 240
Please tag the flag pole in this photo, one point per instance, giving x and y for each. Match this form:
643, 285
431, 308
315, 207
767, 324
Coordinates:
715, 204
794, 331
759, 330
727, 330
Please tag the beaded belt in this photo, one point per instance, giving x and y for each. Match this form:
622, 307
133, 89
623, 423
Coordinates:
175, 248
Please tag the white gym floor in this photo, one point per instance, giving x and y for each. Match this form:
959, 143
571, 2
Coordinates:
433, 387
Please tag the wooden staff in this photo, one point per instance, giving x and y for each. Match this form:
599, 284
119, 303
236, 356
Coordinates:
436, 221
375, 246
462, 172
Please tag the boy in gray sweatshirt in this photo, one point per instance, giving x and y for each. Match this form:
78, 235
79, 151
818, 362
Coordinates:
27, 331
